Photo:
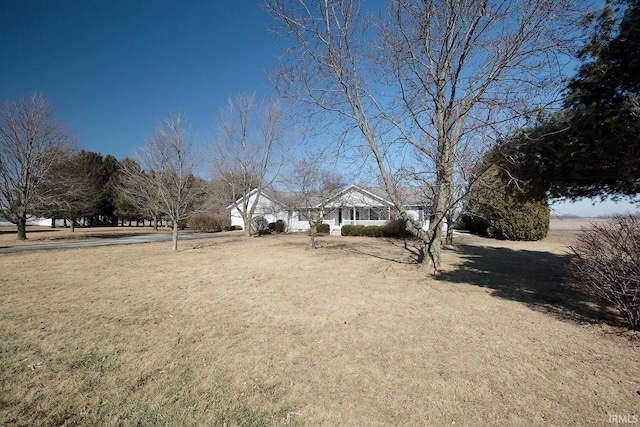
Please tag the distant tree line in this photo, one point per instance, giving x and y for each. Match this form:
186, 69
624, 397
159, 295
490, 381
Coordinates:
44, 174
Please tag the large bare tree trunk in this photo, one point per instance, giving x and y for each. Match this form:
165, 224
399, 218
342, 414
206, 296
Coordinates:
449, 237
22, 227
174, 236
246, 220
312, 236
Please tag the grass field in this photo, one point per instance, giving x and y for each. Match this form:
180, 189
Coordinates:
260, 331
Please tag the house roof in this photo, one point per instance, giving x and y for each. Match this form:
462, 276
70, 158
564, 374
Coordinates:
410, 196
355, 196
364, 198
251, 194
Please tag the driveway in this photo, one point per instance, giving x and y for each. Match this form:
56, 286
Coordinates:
111, 241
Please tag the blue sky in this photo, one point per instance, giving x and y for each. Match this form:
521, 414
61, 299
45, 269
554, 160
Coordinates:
112, 68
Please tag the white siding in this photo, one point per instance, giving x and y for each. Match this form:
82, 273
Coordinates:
348, 207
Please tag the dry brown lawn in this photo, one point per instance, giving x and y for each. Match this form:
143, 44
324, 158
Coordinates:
260, 331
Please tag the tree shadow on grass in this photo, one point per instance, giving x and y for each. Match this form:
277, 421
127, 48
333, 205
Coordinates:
14, 230
412, 247
534, 278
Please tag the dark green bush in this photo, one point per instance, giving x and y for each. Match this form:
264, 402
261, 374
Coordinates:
511, 220
323, 228
472, 223
499, 211
374, 231
363, 230
520, 221
358, 230
277, 227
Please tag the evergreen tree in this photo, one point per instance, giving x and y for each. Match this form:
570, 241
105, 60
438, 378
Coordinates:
70, 189
591, 148
108, 178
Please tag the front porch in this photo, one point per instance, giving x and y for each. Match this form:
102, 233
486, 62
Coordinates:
356, 216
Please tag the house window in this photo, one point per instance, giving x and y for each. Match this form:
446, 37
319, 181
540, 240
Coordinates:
379, 214
362, 214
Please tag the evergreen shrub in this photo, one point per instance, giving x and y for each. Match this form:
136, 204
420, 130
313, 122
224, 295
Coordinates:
323, 228
364, 230
501, 212
277, 227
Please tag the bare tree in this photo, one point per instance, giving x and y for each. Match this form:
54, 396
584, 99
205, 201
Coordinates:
31, 138
310, 188
227, 186
425, 81
137, 192
167, 173
248, 150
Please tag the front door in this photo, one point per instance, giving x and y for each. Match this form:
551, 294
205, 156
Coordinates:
339, 216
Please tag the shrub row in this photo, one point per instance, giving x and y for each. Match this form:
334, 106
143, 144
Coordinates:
393, 228
363, 230
280, 227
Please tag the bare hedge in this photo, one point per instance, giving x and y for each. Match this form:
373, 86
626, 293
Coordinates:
606, 263
208, 223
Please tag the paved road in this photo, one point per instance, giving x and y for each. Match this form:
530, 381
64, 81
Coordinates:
111, 241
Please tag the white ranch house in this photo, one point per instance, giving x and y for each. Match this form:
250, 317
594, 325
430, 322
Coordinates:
353, 205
